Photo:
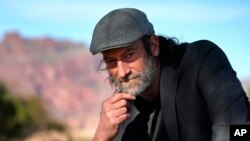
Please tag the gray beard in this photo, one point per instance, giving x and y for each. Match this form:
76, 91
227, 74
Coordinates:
136, 83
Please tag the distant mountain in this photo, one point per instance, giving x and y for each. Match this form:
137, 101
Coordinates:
62, 73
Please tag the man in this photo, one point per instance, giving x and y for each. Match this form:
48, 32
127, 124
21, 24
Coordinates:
164, 90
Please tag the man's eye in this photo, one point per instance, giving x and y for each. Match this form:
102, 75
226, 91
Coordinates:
109, 61
129, 55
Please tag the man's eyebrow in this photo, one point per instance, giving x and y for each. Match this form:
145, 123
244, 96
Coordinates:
130, 48
107, 58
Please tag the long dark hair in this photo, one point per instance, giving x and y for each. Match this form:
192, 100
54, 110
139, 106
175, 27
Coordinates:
171, 51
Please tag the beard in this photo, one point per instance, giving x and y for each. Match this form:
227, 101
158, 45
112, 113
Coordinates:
136, 83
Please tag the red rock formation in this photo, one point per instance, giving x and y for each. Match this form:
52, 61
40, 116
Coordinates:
62, 73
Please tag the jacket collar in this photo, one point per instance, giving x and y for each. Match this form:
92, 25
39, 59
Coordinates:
168, 88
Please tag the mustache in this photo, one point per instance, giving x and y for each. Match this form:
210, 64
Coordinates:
126, 78
120, 82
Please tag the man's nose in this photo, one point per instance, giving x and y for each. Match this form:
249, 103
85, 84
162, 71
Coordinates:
123, 69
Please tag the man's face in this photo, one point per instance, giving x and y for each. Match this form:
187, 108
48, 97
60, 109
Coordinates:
131, 69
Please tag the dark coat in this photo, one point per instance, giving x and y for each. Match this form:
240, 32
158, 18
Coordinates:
202, 96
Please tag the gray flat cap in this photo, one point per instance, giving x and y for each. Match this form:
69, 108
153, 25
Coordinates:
120, 28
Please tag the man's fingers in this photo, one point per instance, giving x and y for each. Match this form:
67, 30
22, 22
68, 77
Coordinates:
116, 113
116, 117
120, 104
120, 112
120, 96
116, 102
122, 118
115, 110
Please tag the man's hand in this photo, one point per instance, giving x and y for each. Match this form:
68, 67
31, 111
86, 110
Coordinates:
114, 111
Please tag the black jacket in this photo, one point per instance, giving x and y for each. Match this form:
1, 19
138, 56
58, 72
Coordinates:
202, 96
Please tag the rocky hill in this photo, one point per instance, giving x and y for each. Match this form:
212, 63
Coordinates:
62, 73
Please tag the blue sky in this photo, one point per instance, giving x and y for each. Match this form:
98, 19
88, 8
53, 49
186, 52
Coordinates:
225, 22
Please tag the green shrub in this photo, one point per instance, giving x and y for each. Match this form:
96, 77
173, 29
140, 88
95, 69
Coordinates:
21, 117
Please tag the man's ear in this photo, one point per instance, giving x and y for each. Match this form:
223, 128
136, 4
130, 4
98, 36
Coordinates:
154, 44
